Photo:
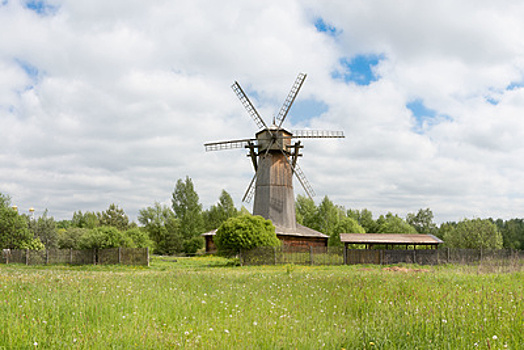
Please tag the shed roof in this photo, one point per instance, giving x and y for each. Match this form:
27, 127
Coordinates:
389, 238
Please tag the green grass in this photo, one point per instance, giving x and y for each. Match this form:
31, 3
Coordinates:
200, 303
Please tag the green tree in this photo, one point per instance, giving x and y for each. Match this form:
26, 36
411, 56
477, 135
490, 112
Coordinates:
512, 232
70, 238
474, 234
394, 224
422, 221
306, 212
188, 211
140, 237
163, 228
104, 237
328, 216
364, 218
115, 217
223, 210
245, 232
187, 208
14, 232
87, 220
345, 225
44, 228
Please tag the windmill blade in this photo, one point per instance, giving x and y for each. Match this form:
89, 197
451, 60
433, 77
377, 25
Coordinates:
290, 99
317, 134
222, 145
300, 176
248, 105
250, 192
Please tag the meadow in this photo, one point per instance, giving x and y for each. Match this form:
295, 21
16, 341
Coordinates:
203, 303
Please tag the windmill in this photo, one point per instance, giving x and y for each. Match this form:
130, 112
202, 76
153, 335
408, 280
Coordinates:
274, 154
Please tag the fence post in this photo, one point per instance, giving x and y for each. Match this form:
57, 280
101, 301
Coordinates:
311, 255
119, 255
414, 255
147, 253
275, 255
46, 256
345, 254
71, 256
27, 256
94, 256
448, 255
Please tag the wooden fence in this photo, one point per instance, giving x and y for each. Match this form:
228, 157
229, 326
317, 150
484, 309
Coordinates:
122, 256
340, 256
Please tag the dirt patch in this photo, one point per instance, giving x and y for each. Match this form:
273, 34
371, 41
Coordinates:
403, 269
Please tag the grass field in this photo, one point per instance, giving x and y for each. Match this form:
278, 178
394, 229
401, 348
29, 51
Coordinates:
199, 303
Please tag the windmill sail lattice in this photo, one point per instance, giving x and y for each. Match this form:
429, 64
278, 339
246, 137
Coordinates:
274, 157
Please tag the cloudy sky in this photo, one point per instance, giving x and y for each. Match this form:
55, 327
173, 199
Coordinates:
111, 101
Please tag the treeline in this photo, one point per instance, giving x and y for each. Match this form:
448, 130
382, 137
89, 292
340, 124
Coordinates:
177, 228
332, 219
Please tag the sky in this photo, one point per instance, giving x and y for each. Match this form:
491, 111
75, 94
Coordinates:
111, 101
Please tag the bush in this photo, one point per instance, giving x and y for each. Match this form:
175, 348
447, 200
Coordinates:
105, 237
245, 232
71, 237
192, 245
140, 238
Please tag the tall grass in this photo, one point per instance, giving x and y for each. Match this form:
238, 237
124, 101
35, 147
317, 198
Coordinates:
196, 303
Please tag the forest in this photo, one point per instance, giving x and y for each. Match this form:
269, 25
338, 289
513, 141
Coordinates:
177, 229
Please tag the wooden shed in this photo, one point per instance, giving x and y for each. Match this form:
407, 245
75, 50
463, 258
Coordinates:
300, 236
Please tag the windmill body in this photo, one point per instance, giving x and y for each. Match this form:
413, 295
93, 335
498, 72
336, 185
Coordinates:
274, 197
274, 153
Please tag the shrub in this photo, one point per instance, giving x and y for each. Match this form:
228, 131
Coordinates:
245, 232
105, 237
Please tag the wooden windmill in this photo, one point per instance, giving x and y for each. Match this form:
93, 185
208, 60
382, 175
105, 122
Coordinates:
274, 155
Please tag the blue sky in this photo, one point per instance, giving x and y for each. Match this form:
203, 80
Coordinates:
111, 101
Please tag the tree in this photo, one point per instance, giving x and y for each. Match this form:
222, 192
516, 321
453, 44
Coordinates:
70, 238
474, 234
187, 208
44, 228
140, 237
364, 218
87, 220
105, 237
328, 216
217, 214
422, 221
394, 224
14, 233
245, 232
163, 228
345, 225
115, 217
306, 212
512, 232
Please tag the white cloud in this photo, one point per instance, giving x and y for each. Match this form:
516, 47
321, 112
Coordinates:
124, 94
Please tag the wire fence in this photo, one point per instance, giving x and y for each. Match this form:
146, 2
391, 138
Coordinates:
496, 259
114, 256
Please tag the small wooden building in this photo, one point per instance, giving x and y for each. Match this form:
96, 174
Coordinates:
300, 236
390, 240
